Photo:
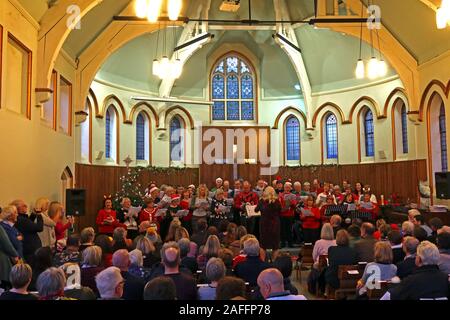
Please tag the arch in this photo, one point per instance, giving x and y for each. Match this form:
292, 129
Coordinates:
137, 108
183, 111
66, 174
94, 99
397, 91
88, 122
324, 142
371, 103
106, 103
117, 133
182, 139
147, 135
397, 103
331, 105
291, 109
361, 118
435, 86
66, 183
285, 138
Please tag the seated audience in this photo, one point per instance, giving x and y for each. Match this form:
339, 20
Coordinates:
137, 268
271, 286
185, 284
381, 269
120, 240
407, 229
110, 284
408, 265
199, 236
395, 239
235, 246
160, 288
326, 241
231, 288
210, 250
91, 266
443, 243
341, 254
20, 279
420, 233
283, 262
249, 269
149, 253
365, 247
186, 261
105, 242
42, 261
412, 213
215, 270
71, 253
50, 284
435, 224
419, 220
427, 281
227, 257
87, 237
134, 286
354, 232
378, 225
336, 222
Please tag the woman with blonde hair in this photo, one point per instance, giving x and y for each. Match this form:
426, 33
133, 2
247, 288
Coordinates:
47, 236
200, 204
326, 241
269, 224
211, 249
149, 253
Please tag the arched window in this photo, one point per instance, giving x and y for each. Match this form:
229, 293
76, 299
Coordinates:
443, 138
369, 137
233, 89
111, 134
404, 129
140, 137
331, 138
176, 139
85, 129
292, 140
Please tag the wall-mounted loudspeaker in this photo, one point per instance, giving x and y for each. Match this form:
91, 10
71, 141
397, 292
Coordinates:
75, 202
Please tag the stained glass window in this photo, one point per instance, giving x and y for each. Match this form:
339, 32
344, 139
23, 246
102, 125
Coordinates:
140, 137
176, 141
443, 138
292, 139
369, 134
108, 135
404, 130
233, 90
331, 136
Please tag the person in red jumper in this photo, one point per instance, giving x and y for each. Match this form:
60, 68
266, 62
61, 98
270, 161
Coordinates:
288, 203
185, 204
149, 211
247, 196
106, 218
310, 216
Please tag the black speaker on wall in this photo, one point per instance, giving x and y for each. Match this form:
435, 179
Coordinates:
442, 180
75, 202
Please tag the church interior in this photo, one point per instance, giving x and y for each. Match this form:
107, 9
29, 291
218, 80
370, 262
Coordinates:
109, 99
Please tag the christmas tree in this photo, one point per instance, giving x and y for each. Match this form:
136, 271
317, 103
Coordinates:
131, 188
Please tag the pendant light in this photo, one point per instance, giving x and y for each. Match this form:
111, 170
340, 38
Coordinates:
153, 10
443, 15
140, 7
382, 65
174, 9
360, 68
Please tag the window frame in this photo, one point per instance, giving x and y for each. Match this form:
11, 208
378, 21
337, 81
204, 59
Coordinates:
443, 138
182, 140
326, 141
286, 145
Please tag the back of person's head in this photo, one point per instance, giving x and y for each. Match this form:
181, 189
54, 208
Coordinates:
145, 246
51, 283
241, 231
212, 247
428, 254
383, 253
227, 257
270, 281
368, 229
215, 269
223, 225
105, 242
229, 288
410, 245
212, 231
41, 204
335, 220
283, 262
43, 258
54, 209
443, 241
395, 237
251, 247
202, 225
379, 223
92, 256
73, 240
136, 258
7, 212
420, 233
160, 289
185, 247
354, 231
109, 283
87, 235
121, 259
245, 238
170, 254
327, 232
420, 219
408, 228
384, 230
20, 275
435, 223
342, 238
119, 234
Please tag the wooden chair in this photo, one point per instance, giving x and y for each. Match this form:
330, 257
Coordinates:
323, 264
305, 260
348, 278
376, 294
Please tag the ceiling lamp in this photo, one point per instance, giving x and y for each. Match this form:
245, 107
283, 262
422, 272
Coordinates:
166, 68
443, 15
151, 9
360, 71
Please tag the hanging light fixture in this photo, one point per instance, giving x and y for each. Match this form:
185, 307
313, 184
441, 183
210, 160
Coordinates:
174, 9
360, 71
382, 65
140, 7
153, 10
372, 68
443, 15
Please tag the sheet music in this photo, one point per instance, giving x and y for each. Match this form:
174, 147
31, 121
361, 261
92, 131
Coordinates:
251, 211
351, 207
289, 197
230, 202
161, 213
211, 194
367, 205
203, 204
224, 209
182, 213
306, 212
133, 211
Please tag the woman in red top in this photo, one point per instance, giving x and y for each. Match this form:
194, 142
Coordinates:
149, 211
185, 204
310, 216
106, 218
287, 214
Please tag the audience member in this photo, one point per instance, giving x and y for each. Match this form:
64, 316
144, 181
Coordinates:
160, 288
435, 224
134, 286
215, 270
249, 269
365, 247
110, 284
271, 286
395, 239
231, 288
186, 261
91, 266
283, 262
71, 253
20, 279
408, 265
87, 237
50, 284
443, 243
326, 241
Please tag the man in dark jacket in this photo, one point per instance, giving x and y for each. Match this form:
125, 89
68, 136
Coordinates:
251, 267
134, 287
427, 281
365, 247
408, 265
29, 226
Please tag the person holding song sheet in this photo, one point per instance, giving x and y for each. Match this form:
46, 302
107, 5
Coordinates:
366, 205
200, 204
322, 197
148, 213
185, 203
310, 216
247, 198
128, 215
107, 218
167, 218
219, 209
288, 202
269, 225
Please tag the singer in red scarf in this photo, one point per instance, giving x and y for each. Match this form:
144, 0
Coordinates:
247, 196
